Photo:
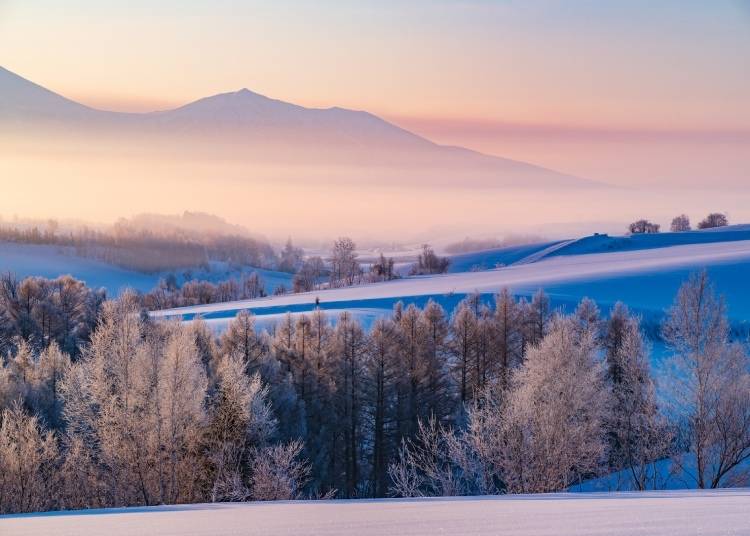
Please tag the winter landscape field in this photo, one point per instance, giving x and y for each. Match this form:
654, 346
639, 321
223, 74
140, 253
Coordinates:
707, 513
465, 267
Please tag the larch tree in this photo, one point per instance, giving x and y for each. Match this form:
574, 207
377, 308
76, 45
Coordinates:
638, 433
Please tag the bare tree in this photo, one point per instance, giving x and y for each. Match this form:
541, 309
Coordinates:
344, 265
680, 224
643, 227
710, 385
715, 219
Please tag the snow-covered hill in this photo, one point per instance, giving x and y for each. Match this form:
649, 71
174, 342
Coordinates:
25, 260
699, 513
645, 279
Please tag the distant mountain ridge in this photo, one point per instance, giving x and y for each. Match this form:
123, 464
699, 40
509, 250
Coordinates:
244, 125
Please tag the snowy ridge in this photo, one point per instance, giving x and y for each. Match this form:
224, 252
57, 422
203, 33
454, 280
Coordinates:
539, 255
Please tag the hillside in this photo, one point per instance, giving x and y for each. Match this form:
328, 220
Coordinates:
645, 279
49, 261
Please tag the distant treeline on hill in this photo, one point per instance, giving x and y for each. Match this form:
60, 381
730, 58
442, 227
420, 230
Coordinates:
136, 248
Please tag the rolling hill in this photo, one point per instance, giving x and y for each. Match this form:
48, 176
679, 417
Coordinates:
644, 273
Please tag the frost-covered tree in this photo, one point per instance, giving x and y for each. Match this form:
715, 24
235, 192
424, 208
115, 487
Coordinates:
241, 339
241, 420
555, 415
710, 385
49, 371
344, 265
29, 458
181, 396
278, 472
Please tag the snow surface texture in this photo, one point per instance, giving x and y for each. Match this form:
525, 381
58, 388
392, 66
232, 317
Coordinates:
645, 279
704, 513
25, 260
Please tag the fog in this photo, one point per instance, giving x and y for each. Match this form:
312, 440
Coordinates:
317, 203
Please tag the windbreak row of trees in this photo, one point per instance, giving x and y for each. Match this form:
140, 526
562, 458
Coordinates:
492, 398
169, 294
145, 250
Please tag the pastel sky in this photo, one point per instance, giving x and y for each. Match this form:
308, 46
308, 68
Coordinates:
631, 92
669, 64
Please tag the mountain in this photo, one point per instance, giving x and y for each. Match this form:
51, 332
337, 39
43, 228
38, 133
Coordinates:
253, 129
21, 99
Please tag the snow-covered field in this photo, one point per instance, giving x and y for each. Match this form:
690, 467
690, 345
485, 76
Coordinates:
25, 260
686, 513
646, 279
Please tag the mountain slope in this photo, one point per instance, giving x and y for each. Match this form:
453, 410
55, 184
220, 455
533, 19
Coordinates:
23, 99
250, 128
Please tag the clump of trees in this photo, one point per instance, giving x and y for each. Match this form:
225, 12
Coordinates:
680, 224
169, 294
150, 413
568, 415
345, 268
643, 227
428, 262
41, 311
309, 274
498, 397
713, 220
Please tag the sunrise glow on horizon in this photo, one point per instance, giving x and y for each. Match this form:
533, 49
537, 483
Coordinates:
624, 93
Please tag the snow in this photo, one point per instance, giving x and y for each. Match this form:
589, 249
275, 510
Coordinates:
668, 474
665, 513
646, 279
25, 260
601, 243
493, 258
49, 261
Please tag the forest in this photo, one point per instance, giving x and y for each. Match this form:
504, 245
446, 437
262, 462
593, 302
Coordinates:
103, 406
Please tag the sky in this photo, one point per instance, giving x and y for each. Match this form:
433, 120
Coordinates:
644, 93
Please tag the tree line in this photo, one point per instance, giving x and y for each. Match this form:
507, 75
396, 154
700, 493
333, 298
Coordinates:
131, 246
680, 224
501, 397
